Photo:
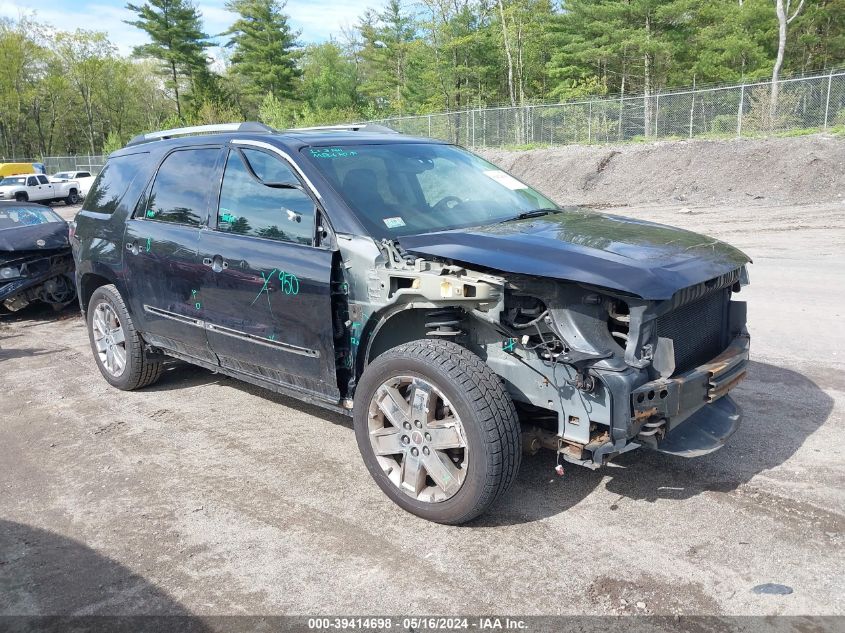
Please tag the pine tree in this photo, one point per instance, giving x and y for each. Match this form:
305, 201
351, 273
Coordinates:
264, 47
388, 38
175, 28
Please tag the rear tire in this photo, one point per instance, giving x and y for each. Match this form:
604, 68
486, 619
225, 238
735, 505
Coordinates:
109, 328
72, 198
468, 397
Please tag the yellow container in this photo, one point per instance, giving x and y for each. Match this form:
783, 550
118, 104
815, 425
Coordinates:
13, 169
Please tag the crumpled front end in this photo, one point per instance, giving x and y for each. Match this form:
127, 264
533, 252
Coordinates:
36, 276
617, 372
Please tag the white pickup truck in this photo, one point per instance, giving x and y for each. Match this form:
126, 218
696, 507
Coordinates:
38, 188
84, 178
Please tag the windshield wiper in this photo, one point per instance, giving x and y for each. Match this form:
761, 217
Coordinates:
534, 213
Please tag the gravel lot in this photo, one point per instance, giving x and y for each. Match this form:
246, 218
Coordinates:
208, 496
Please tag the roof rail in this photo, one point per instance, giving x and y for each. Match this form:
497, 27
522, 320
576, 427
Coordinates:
249, 126
346, 127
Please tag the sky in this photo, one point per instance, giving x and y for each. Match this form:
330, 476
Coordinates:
317, 19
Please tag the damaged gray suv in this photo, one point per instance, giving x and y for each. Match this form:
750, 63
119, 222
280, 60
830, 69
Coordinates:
458, 315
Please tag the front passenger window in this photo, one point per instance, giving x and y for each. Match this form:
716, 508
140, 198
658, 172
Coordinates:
273, 207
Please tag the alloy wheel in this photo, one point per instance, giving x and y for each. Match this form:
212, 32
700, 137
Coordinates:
418, 439
109, 339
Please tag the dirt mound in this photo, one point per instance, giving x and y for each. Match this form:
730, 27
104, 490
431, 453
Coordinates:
803, 170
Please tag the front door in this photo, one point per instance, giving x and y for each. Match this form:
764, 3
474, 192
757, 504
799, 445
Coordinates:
163, 268
267, 301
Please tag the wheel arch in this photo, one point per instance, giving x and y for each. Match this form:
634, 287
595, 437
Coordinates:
88, 283
396, 325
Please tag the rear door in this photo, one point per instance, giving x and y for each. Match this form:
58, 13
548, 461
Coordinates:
266, 299
164, 272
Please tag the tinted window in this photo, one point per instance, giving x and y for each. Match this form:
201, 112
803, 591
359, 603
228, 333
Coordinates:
405, 188
112, 183
250, 207
32, 182
43, 180
83, 174
181, 188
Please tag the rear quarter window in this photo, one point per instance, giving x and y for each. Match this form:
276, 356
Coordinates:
111, 185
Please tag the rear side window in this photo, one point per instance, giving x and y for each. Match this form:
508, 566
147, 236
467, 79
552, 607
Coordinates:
43, 180
111, 185
181, 188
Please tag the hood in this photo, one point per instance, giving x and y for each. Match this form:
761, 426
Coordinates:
26, 238
652, 261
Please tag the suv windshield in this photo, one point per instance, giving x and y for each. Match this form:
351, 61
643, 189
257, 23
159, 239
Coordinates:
13, 180
16, 217
405, 188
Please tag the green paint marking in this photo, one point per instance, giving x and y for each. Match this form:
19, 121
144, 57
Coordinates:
354, 341
290, 283
228, 217
332, 152
265, 287
272, 337
509, 344
149, 244
198, 305
151, 213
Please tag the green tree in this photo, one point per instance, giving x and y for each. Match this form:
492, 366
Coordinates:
264, 48
178, 41
819, 37
329, 80
85, 56
20, 57
388, 39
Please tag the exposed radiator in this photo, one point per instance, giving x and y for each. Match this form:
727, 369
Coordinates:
697, 329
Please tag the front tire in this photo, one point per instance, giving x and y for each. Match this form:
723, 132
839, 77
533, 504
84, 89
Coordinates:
118, 348
21, 197
437, 430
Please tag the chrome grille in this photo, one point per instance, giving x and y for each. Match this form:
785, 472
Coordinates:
697, 330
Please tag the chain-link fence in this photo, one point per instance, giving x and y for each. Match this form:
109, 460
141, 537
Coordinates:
55, 164
800, 104
92, 163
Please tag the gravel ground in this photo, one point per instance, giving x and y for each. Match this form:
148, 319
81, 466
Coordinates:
205, 495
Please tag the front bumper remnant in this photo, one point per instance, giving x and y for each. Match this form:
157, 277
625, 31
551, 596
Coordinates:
705, 431
692, 411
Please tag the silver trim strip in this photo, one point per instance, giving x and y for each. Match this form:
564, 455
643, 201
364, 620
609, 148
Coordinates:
262, 340
284, 155
165, 314
244, 336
